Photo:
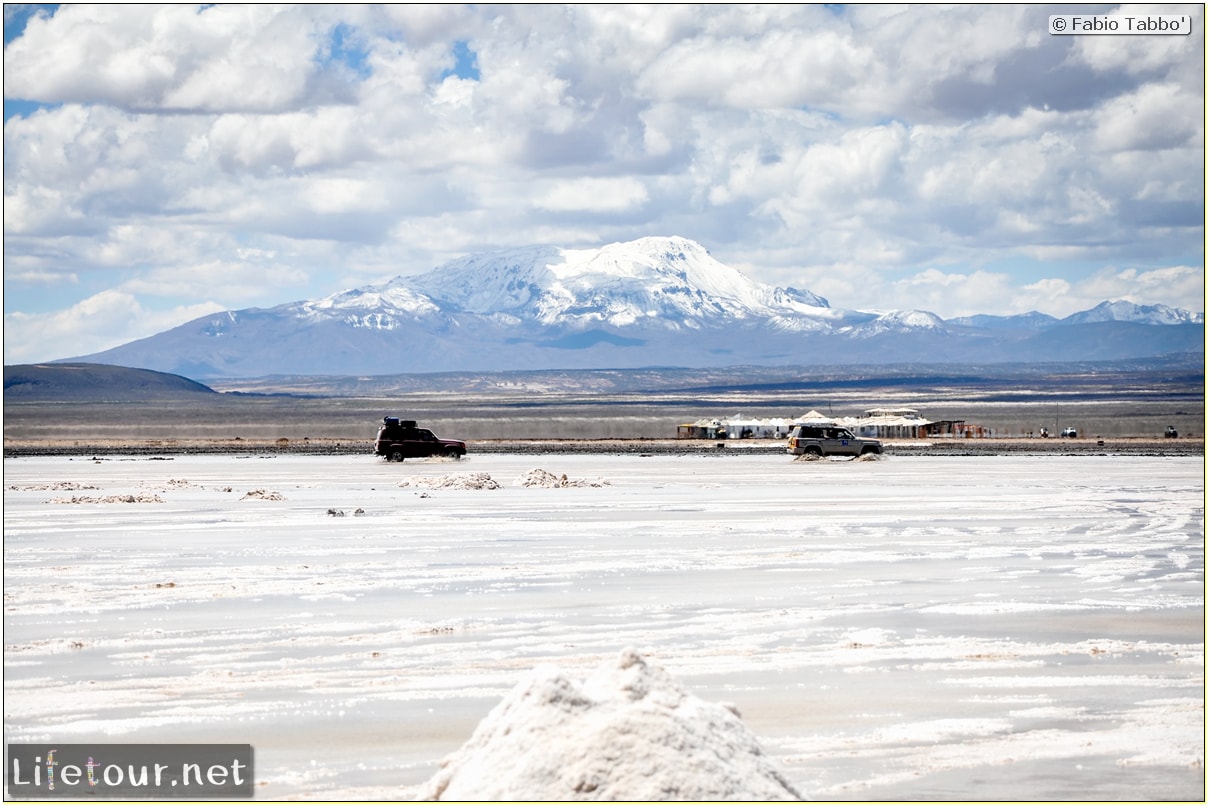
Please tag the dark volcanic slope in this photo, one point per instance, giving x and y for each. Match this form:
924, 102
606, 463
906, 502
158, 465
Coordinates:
95, 383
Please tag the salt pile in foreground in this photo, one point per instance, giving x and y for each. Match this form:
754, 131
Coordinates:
627, 732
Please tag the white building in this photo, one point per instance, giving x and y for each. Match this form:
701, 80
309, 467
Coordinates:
879, 423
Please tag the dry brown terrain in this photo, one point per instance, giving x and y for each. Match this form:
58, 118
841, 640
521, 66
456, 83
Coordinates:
933, 447
1126, 415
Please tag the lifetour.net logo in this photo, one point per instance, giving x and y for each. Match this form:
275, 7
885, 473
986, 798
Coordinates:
124, 771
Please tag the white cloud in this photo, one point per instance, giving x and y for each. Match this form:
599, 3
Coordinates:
340, 195
951, 294
1141, 54
315, 139
1176, 286
868, 153
775, 69
222, 57
238, 281
1152, 118
591, 194
96, 323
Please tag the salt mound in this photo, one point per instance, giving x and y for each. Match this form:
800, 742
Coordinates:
463, 481
266, 495
544, 478
108, 499
58, 485
628, 732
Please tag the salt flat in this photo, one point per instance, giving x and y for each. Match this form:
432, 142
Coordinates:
979, 627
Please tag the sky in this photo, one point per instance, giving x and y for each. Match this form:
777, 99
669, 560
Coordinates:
165, 162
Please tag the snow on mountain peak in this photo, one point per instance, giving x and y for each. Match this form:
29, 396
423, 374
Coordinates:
667, 281
375, 307
664, 300
1126, 311
897, 322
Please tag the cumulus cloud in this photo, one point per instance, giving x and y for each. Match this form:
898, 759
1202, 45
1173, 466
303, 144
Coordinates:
95, 323
869, 153
168, 57
592, 194
1139, 55
1168, 285
983, 291
1153, 117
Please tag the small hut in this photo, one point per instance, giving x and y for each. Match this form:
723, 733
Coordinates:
886, 423
702, 429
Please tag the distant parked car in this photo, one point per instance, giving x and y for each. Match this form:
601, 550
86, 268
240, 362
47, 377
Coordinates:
1171, 433
828, 440
1070, 432
401, 439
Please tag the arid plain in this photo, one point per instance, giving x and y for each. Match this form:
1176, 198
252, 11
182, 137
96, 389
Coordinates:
1128, 407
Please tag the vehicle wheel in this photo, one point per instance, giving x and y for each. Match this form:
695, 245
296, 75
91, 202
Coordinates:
814, 450
396, 456
454, 455
867, 450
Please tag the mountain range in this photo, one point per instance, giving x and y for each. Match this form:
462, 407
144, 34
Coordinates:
656, 301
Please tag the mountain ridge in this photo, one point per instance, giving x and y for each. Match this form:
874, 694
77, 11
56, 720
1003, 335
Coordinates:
653, 301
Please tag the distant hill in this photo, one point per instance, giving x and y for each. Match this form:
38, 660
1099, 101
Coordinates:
96, 383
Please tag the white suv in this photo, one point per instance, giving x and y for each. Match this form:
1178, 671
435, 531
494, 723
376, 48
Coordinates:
829, 440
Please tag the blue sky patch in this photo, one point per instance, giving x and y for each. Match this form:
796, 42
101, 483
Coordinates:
18, 15
347, 47
17, 108
465, 64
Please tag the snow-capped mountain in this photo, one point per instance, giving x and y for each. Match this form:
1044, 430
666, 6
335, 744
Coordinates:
651, 302
671, 283
1126, 311
896, 322
1033, 320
